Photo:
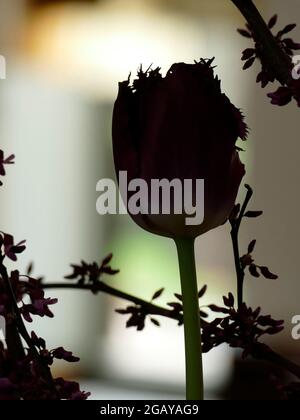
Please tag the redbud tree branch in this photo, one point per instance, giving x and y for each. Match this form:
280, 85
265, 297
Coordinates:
271, 51
17, 330
260, 351
150, 308
236, 224
13, 339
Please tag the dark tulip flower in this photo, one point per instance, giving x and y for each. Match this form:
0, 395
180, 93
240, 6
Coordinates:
180, 126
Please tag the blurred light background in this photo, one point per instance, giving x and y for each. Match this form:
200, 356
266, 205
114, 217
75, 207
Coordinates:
64, 59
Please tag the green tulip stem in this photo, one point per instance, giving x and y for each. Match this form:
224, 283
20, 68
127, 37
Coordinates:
191, 317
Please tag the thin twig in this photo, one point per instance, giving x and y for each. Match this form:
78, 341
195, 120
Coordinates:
240, 274
236, 224
259, 351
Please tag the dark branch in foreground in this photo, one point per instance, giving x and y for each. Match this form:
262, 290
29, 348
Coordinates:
18, 329
150, 308
271, 51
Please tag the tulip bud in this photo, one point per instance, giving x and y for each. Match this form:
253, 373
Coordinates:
181, 127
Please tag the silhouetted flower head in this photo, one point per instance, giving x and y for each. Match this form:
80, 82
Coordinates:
240, 328
180, 126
